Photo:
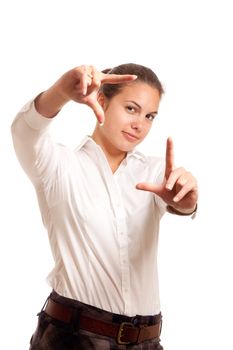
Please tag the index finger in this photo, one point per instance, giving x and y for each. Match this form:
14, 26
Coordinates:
169, 158
117, 78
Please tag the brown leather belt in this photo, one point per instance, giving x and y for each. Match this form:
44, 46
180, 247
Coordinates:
124, 333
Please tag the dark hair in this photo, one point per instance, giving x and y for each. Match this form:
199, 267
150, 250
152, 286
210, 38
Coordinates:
144, 74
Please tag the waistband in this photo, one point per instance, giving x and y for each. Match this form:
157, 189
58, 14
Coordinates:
98, 313
125, 329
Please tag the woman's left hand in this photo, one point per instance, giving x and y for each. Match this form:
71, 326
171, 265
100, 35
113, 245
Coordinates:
179, 187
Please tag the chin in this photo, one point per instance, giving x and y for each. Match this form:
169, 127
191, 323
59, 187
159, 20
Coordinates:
128, 148
124, 146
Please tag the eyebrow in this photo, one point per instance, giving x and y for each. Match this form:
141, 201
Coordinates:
155, 112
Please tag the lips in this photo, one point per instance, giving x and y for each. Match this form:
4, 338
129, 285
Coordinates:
130, 137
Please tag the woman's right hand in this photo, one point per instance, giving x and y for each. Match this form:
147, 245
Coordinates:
80, 84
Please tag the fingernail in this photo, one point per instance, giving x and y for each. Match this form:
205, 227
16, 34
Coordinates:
176, 199
101, 124
169, 186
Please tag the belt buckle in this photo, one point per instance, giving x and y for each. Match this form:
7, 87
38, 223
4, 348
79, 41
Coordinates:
121, 333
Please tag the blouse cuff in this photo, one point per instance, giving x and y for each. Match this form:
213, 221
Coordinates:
34, 119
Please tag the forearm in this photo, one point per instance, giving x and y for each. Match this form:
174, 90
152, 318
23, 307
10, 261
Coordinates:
50, 102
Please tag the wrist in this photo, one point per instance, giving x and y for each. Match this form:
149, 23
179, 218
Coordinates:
182, 212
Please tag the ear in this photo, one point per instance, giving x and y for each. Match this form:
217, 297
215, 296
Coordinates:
102, 100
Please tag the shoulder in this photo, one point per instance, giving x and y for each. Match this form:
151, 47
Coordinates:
148, 161
152, 167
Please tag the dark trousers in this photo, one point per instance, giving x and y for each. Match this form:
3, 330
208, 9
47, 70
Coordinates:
52, 334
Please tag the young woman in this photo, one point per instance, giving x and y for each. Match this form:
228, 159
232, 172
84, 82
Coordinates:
102, 204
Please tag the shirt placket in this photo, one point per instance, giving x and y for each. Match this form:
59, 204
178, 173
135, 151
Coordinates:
123, 247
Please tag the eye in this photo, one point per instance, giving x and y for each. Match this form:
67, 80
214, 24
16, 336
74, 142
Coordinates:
150, 117
131, 109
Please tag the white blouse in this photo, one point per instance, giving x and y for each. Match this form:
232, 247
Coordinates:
103, 232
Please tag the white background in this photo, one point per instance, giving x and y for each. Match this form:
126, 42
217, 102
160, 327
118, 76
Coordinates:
189, 45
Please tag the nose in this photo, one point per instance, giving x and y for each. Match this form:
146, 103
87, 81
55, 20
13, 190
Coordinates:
137, 124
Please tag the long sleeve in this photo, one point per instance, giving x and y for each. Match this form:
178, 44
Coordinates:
38, 155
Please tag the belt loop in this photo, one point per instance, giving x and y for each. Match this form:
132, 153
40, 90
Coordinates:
75, 321
161, 325
45, 303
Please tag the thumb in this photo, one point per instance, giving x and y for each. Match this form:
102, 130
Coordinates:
150, 187
98, 110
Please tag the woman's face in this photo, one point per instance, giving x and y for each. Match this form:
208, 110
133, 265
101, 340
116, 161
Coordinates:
128, 116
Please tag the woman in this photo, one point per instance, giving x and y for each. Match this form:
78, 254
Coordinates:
102, 204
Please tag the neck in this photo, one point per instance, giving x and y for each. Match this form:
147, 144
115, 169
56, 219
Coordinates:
114, 156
